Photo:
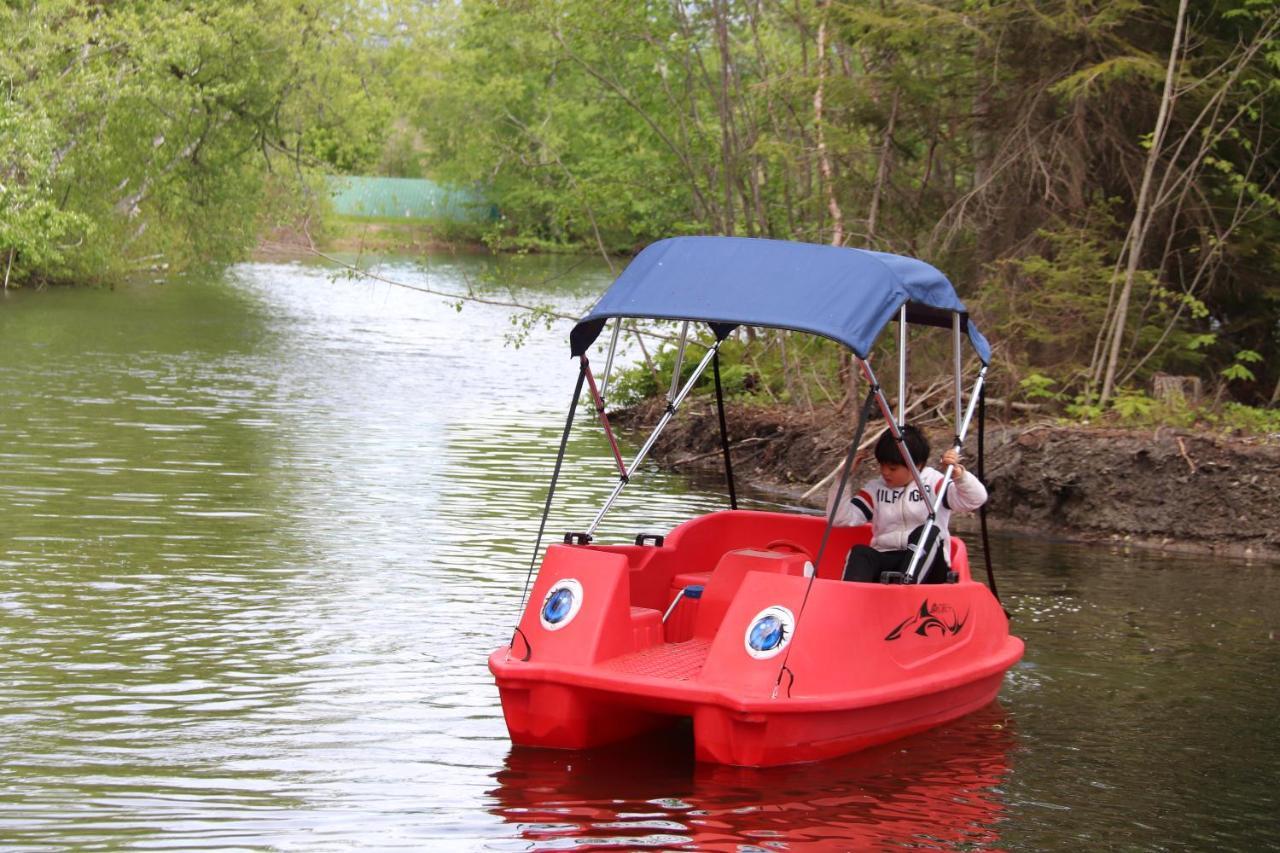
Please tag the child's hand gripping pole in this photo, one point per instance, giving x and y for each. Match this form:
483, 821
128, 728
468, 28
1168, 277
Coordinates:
927, 545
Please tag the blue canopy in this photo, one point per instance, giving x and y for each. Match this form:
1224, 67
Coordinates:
847, 295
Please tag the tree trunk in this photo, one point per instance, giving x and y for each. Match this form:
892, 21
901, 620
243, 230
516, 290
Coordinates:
882, 170
728, 156
1138, 229
824, 162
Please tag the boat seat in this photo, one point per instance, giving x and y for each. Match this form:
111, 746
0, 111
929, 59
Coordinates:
646, 627
723, 584
690, 579
683, 610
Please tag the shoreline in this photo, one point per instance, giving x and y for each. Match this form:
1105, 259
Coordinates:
348, 234
1172, 490
410, 237
1176, 490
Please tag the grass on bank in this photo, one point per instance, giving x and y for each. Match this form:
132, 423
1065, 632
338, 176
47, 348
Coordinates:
338, 232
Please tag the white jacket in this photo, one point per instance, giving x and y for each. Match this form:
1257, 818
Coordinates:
894, 513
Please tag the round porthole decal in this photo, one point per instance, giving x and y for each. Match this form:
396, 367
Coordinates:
561, 604
769, 632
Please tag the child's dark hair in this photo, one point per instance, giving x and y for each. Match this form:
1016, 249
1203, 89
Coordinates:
917, 446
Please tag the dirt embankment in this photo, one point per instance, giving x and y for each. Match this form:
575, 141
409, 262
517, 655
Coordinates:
1166, 488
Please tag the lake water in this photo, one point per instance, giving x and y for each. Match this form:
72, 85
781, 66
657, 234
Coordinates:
260, 532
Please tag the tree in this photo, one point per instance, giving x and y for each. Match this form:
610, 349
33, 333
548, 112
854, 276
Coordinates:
138, 133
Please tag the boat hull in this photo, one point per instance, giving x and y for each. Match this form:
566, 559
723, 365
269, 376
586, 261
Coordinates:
770, 739
560, 716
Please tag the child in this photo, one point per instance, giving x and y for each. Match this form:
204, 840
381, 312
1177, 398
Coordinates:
897, 511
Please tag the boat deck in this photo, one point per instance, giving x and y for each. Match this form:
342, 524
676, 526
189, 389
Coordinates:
669, 661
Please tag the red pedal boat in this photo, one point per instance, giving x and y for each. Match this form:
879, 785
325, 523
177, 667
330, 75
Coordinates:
738, 619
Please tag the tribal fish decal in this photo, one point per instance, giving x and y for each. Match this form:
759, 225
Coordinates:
941, 617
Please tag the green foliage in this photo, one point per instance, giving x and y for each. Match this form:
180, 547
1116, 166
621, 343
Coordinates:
1083, 410
1001, 145
1135, 409
1249, 419
1047, 305
1116, 69
1197, 342
639, 382
634, 384
1133, 405
1237, 371
1228, 418
138, 133
739, 380
1001, 142
33, 226
752, 369
1036, 387
562, 163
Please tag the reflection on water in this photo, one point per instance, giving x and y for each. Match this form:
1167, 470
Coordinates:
260, 534
933, 791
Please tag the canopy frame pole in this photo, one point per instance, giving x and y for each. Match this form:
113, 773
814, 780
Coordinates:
724, 432
902, 365
598, 398
546, 508
958, 358
894, 429
924, 549
982, 510
657, 430
608, 361
846, 470
675, 372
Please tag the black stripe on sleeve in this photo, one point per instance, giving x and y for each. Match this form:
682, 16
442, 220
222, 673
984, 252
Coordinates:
860, 505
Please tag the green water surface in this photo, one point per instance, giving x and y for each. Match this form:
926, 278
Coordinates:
261, 530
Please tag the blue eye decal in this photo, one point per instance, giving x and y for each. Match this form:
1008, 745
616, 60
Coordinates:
766, 635
769, 632
561, 604
557, 606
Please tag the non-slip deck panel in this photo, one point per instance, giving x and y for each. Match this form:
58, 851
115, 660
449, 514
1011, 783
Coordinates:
671, 661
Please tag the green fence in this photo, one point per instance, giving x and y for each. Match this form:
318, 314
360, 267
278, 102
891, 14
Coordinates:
407, 198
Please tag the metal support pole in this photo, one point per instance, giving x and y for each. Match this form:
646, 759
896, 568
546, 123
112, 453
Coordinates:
919, 557
675, 374
608, 361
657, 430
598, 399
955, 347
551, 489
893, 425
902, 365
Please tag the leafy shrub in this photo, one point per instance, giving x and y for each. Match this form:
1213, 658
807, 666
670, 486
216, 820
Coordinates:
1249, 419
1132, 406
1036, 387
